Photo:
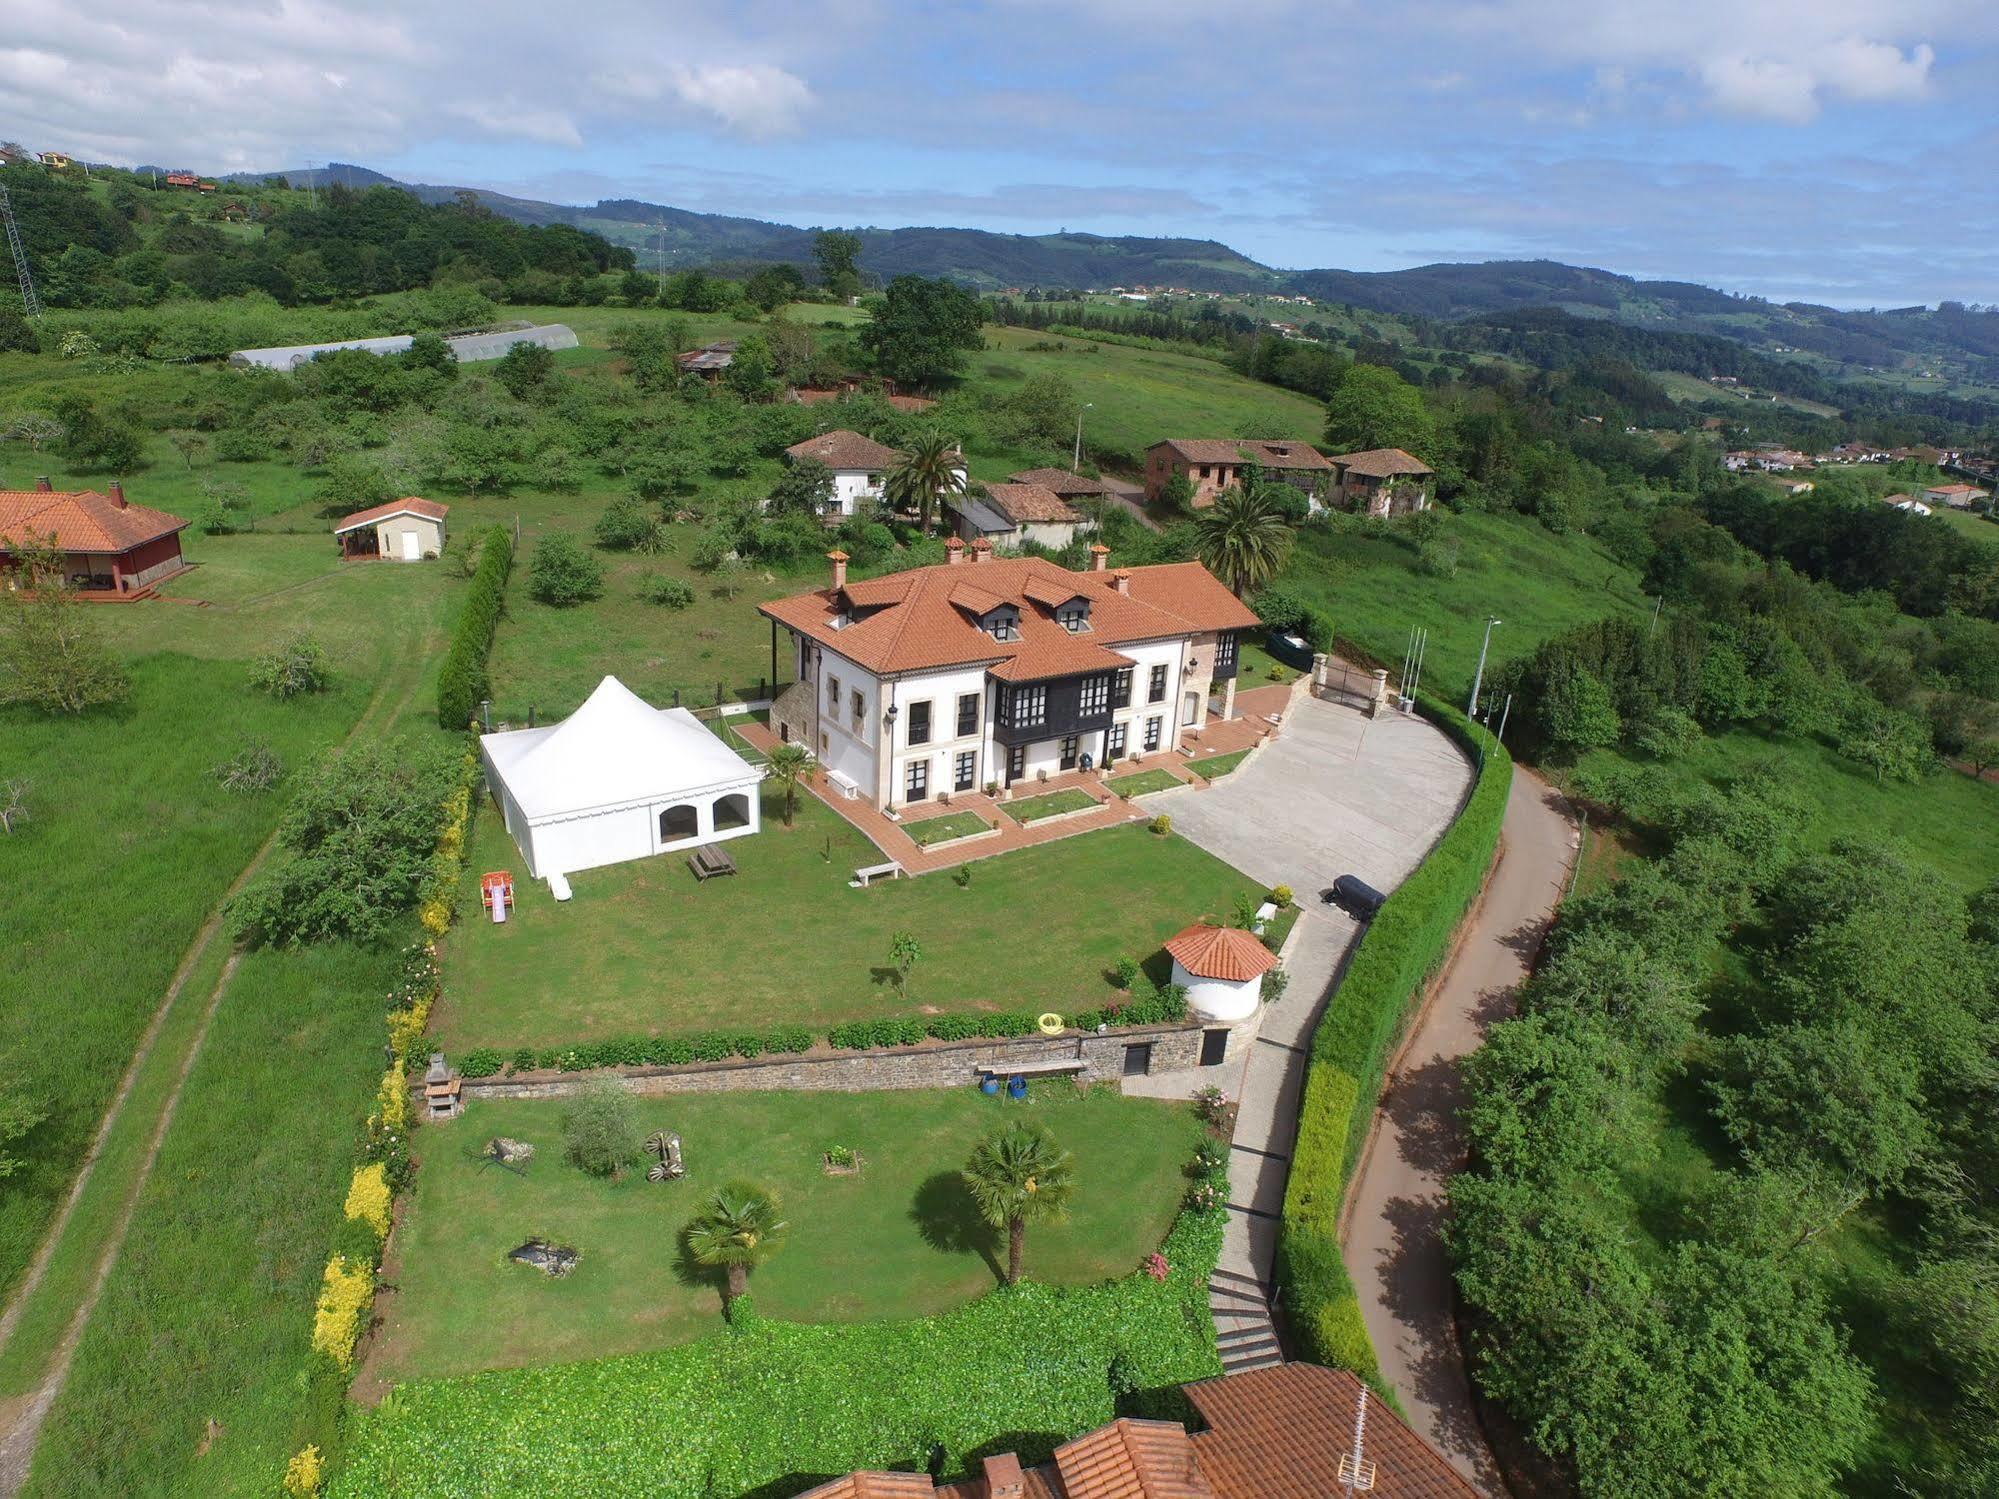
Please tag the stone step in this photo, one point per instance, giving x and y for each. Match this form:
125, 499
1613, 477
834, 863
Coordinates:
1218, 1278
1240, 1337
1243, 1363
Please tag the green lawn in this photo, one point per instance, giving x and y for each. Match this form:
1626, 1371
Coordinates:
644, 949
1256, 667
1216, 766
1050, 804
898, 1239
1139, 782
943, 829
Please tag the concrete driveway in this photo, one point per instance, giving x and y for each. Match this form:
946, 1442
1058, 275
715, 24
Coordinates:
1334, 793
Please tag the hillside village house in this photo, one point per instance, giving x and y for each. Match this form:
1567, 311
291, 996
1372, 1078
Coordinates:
1957, 496
859, 464
709, 360
406, 530
109, 545
1213, 464
987, 670
1383, 481
1008, 514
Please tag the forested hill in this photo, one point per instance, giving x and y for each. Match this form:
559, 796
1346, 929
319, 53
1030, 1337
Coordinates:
1957, 341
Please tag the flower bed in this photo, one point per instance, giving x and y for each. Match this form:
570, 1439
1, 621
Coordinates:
1052, 804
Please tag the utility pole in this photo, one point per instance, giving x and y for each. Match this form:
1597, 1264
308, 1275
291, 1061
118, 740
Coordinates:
1478, 679
1501, 735
1657, 605
30, 303
1076, 458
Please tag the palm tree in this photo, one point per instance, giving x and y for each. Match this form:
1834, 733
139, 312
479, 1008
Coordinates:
922, 476
1243, 538
789, 764
738, 1230
1018, 1175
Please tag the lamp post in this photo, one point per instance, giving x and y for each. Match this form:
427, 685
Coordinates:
1076, 458
1478, 678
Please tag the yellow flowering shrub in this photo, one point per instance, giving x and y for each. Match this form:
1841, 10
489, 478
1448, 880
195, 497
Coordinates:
392, 1101
406, 1031
304, 1473
368, 1198
344, 1296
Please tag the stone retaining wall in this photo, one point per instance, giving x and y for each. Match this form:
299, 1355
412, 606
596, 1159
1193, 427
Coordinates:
946, 1064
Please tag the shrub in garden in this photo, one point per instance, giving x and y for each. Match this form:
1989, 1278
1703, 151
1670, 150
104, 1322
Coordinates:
293, 667
625, 523
346, 1290
481, 1061
461, 683
562, 574
368, 1198
304, 1473
1161, 824
1280, 896
600, 1129
668, 593
354, 848
254, 767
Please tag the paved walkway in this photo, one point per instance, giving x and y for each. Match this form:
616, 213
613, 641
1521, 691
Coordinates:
1336, 793
1397, 1205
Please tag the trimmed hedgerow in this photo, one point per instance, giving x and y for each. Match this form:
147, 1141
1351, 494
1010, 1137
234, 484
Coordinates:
461, 684
773, 1406
1399, 951
1147, 1006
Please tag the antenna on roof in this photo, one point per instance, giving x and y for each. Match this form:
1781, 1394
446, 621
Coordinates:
30, 303
1356, 1472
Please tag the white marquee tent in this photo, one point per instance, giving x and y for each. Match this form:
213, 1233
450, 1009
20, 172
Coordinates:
618, 779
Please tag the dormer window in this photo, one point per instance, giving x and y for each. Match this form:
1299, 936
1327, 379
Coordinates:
1004, 627
1074, 616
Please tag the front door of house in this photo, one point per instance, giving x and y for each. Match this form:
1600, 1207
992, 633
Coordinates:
1191, 712
1137, 1058
1068, 761
412, 547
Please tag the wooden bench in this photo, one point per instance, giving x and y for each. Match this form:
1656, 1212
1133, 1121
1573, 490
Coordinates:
1034, 1069
866, 877
709, 861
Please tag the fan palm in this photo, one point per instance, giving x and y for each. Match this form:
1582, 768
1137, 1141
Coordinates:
789, 764
922, 476
737, 1230
1018, 1175
1243, 538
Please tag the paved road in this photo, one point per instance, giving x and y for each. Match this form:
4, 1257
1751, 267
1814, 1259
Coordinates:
1334, 793
1397, 1205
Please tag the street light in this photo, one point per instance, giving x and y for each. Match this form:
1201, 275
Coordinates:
1076, 458
1478, 678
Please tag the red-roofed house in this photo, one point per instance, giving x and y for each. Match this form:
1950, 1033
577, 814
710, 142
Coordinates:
1222, 970
405, 530
1212, 464
986, 669
109, 545
859, 464
1957, 496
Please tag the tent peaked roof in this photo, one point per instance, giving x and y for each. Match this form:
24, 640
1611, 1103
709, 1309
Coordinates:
614, 750
1220, 952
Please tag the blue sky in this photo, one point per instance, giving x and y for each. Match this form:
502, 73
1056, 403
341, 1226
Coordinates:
1844, 151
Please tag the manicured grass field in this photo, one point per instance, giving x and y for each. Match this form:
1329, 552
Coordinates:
899, 1239
1139, 782
643, 949
1052, 804
943, 829
1217, 766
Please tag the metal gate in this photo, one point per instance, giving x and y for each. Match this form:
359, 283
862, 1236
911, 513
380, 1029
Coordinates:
1348, 685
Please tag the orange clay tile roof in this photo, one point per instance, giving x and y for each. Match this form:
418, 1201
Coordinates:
875, 1486
1246, 450
844, 450
1220, 952
1061, 481
80, 520
1278, 1433
1131, 1459
1024, 504
1052, 592
409, 505
1382, 463
908, 621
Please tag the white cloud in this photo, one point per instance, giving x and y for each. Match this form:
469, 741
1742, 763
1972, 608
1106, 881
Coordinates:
756, 100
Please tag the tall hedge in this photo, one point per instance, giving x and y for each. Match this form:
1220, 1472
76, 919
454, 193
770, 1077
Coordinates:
462, 684
1363, 1021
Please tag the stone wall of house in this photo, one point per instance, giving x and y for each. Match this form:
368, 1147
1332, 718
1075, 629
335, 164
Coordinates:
949, 1064
791, 715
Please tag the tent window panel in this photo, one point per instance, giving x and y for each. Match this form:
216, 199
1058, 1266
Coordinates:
732, 812
676, 823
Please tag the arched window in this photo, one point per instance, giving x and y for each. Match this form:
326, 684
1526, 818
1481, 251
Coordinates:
732, 812
676, 823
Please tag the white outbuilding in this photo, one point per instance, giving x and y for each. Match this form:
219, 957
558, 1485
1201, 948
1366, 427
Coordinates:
618, 779
1222, 970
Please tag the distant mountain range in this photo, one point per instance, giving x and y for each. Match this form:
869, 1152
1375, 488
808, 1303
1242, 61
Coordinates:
1950, 342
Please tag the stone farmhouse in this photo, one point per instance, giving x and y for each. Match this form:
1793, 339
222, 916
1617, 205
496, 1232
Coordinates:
1213, 464
109, 545
1383, 481
1008, 514
859, 464
987, 670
